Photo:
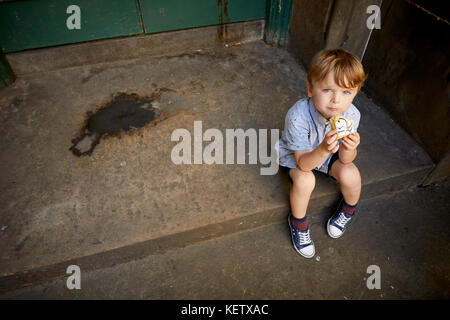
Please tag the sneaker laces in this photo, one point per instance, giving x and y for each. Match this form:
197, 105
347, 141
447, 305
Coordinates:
342, 220
305, 237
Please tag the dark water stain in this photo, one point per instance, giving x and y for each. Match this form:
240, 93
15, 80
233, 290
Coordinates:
223, 19
126, 112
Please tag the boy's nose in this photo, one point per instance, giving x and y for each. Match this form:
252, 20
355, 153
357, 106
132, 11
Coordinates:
335, 98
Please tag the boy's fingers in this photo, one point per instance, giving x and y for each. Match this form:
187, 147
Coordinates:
350, 136
332, 138
332, 146
353, 137
332, 132
335, 149
348, 146
345, 144
348, 141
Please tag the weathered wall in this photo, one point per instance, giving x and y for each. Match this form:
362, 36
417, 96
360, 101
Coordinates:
347, 25
407, 60
328, 24
307, 29
408, 65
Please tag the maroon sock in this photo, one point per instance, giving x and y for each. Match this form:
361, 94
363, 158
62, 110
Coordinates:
348, 209
301, 224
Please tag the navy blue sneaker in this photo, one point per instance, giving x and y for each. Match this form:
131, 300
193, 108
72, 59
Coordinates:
302, 241
338, 223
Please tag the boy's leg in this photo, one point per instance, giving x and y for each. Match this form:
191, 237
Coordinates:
300, 192
349, 180
350, 184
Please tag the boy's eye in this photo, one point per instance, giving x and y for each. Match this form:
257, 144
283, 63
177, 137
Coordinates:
347, 92
326, 90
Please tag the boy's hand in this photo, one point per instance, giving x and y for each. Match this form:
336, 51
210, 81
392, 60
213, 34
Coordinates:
351, 141
330, 142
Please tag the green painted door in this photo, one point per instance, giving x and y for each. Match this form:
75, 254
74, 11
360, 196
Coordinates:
164, 15
27, 24
40, 23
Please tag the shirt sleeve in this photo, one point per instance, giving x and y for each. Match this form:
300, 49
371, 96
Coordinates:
354, 114
296, 132
356, 119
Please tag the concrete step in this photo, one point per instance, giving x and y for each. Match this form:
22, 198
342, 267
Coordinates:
128, 200
262, 263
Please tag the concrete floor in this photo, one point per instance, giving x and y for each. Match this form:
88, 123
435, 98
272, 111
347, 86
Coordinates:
405, 234
129, 190
128, 200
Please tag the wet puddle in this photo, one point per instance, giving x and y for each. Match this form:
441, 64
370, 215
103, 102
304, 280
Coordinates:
126, 112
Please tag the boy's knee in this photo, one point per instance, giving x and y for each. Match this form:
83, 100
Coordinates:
303, 180
347, 173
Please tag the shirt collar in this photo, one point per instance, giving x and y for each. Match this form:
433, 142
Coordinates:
317, 117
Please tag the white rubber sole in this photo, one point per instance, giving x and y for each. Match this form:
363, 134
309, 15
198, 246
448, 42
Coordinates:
329, 233
292, 239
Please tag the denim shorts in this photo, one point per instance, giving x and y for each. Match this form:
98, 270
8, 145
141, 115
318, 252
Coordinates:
332, 160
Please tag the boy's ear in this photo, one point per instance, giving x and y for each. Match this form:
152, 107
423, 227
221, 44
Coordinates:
309, 87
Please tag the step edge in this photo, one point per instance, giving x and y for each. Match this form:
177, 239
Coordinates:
159, 245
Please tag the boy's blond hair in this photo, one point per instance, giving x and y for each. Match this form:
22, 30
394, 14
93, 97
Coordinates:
348, 70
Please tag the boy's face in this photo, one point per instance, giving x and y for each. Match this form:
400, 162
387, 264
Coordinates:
329, 99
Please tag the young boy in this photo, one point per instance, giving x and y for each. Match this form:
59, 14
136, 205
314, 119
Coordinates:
308, 143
